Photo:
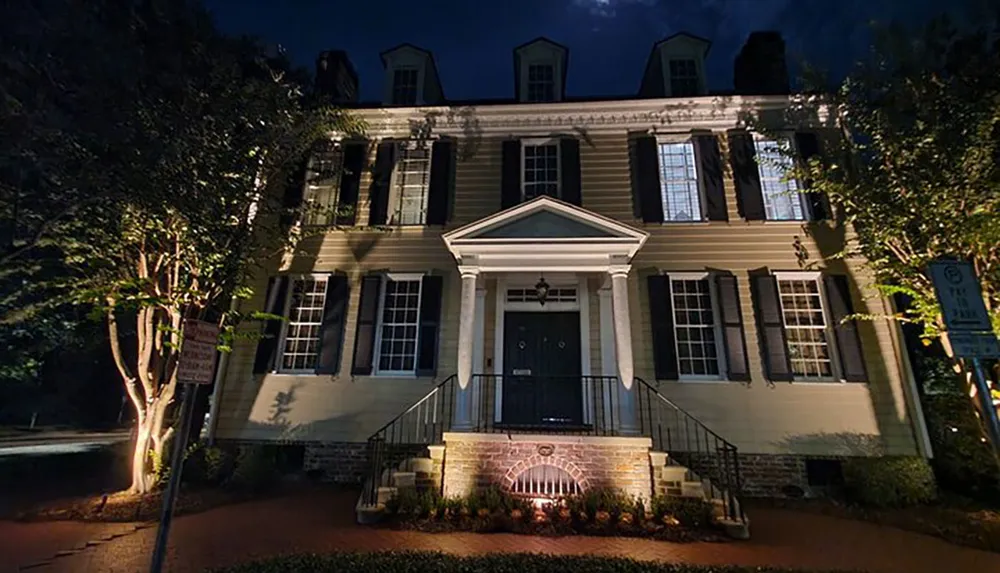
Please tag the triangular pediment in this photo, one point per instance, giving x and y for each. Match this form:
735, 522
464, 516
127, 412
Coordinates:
545, 218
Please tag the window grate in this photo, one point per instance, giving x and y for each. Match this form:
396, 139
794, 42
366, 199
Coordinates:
782, 201
545, 481
679, 182
400, 318
805, 328
694, 326
305, 318
554, 295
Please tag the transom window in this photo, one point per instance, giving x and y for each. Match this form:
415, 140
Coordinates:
694, 327
541, 170
324, 187
782, 200
305, 317
679, 188
404, 86
683, 78
410, 184
805, 327
530, 295
541, 82
398, 326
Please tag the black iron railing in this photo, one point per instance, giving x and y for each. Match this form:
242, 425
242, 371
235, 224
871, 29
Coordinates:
690, 443
585, 405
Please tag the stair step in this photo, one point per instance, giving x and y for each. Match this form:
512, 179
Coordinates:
693, 489
384, 494
674, 473
404, 479
420, 465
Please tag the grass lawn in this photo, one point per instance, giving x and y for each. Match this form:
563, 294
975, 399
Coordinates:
427, 562
954, 521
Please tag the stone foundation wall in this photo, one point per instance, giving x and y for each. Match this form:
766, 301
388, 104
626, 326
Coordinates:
339, 462
478, 460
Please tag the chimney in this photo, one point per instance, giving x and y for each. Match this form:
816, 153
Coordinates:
335, 77
760, 67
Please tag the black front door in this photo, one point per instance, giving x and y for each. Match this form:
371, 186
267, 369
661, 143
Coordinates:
541, 383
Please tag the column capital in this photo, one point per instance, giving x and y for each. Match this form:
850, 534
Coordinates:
468, 271
619, 270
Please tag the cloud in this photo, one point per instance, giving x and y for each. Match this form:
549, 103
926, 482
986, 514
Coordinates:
608, 8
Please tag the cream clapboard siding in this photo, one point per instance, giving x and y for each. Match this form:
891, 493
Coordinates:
817, 418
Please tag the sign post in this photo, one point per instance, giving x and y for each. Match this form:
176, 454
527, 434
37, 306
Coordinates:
969, 329
195, 366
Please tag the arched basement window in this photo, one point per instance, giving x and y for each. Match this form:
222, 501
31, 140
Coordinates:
545, 481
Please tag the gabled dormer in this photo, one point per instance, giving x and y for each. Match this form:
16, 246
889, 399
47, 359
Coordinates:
676, 67
540, 71
411, 77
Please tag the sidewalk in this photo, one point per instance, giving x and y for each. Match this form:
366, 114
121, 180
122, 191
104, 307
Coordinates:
323, 521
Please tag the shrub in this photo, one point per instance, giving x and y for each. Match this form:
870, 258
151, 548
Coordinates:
256, 468
207, 465
688, 511
889, 481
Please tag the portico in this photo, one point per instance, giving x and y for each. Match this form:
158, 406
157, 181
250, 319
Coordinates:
544, 256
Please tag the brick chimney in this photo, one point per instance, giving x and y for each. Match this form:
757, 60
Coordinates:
760, 67
335, 77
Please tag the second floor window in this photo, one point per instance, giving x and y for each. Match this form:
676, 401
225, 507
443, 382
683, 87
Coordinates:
679, 188
541, 82
323, 187
541, 169
410, 184
404, 86
683, 78
782, 200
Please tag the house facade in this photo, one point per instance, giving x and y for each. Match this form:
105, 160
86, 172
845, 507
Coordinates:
572, 291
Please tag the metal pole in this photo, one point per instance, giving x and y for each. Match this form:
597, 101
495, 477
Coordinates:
173, 485
986, 403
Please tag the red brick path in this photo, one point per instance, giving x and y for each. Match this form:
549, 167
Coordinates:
322, 521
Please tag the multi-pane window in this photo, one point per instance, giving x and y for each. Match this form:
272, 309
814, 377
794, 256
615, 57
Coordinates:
305, 317
541, 82
404, 86
541, 170
324, 186
782, 200
397, 346
411, 183
679, 182
694, 327
683, 78
805, 327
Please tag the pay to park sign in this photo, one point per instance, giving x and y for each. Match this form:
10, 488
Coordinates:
197, 360
969, 328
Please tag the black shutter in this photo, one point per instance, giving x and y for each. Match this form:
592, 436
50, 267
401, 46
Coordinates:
732, 328
646, 180
808, 146
439, 190
364, 338
852, 359
294, 195
331, 333
742, 157
510, 174
277, 293
569, 148
770, 326
378, 194
431, 289
710, 161
350, 183
661, 317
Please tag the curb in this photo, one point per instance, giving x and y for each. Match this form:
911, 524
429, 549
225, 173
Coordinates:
82, 547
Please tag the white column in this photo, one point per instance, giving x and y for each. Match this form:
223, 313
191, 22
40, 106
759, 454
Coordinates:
623, 346
608, 365
478, 349
466, 336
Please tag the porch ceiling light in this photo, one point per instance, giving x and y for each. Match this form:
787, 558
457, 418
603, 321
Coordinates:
541, 290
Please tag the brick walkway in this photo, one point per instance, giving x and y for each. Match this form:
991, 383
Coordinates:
322, 521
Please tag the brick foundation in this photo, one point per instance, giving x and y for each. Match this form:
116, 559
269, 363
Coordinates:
764, 475
340, 462
479, 460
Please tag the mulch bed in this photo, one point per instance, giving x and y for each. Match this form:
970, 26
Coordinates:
959, 524
125, 507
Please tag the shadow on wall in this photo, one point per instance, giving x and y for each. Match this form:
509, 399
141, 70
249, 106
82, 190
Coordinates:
833, 444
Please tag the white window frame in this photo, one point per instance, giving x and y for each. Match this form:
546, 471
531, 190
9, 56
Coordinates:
311, 190
781, 139
720, 346
395, 196
419, 79
536, 141
285, 309
836, 372
527, 80
377, 351
700, 179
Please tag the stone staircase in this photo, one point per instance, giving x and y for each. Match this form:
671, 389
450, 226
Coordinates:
670, 478
423, 473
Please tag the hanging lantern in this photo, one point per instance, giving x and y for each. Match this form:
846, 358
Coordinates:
541, 290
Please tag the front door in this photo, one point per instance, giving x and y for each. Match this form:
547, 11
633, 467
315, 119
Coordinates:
541, 383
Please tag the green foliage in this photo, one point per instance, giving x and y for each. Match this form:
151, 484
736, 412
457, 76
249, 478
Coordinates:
208, 465
160, 469
256, 468
897, 481
688, 511
963, 463
427, 562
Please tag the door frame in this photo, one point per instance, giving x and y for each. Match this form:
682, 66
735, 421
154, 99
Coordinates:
582, 305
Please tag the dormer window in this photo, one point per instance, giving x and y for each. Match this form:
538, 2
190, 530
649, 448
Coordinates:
404, 86
684, 78
541, 82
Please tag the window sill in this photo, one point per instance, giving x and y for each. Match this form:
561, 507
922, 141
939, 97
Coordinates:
825, 382
701, 379
687, 223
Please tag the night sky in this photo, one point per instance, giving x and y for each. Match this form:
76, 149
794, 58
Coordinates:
609, 40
